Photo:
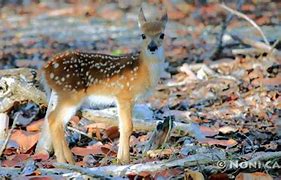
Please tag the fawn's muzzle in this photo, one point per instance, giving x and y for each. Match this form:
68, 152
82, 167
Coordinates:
152, 46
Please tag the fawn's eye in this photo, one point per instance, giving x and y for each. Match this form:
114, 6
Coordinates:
143, 36
162, 36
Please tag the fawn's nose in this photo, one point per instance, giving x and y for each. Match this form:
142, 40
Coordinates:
152, 46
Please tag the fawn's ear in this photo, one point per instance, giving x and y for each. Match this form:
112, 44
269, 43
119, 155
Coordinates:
164, 18
142, 19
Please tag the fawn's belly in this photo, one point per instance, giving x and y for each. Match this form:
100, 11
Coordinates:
98, 100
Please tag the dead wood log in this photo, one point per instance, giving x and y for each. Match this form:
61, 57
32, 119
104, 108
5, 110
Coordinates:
26, 73
15, 90
111, 118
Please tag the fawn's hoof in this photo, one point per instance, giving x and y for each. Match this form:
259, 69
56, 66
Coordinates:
63, 154
123, 158
65, 159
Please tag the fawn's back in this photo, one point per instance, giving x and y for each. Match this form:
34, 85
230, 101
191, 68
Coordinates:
97, 74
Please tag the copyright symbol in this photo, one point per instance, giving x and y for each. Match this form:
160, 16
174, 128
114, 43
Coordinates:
221, 164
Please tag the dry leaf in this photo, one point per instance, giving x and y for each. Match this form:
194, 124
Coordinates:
26, 140
272, 81
193, 175
15, 161
35, 125
207, 131
40, 156
227, 129
159, 153
83, 151
144, 174
74, 121
226, 143
253, 176
112, 132
219, 176
97, 125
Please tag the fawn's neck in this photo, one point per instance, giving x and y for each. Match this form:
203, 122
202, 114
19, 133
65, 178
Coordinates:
154, 63
152, 58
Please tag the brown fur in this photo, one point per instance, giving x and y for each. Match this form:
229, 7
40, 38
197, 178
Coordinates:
152, 28
83, 69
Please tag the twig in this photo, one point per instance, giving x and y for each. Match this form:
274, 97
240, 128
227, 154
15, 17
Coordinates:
239, 14
245, 51
273, 46
217, 50
9, 134
78, 131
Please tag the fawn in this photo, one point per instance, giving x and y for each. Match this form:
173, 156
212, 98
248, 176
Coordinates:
79, 76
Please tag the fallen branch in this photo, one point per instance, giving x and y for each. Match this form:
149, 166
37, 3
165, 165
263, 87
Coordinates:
83, 170
15, 172
266, 156
115, 170
258, 45
78, 131
111, 118
241, 15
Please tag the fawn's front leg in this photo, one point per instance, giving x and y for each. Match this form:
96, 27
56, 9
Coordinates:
125, 107
62, 113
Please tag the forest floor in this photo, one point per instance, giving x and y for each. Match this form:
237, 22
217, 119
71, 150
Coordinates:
221, 88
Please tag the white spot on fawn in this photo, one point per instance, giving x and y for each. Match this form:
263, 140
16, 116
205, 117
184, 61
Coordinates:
56, 65
52, 75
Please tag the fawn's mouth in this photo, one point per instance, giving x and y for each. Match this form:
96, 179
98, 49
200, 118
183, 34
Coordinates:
152, 52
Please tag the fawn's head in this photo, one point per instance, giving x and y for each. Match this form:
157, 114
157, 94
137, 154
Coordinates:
152, 32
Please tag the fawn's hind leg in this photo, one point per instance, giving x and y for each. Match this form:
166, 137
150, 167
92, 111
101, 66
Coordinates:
62, 113
45, 144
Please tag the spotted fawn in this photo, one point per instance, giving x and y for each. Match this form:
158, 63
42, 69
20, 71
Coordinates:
80, 76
